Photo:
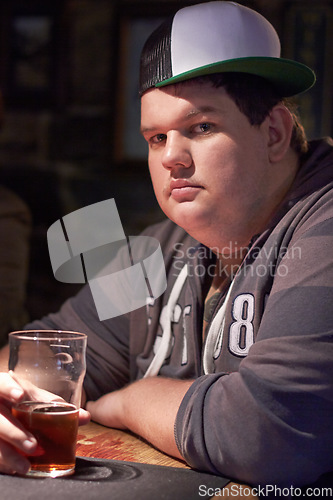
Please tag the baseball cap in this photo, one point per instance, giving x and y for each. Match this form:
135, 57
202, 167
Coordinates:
217, 37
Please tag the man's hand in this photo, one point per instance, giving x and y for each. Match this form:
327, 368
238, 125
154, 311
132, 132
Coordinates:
15, 441
147, 407
13, 437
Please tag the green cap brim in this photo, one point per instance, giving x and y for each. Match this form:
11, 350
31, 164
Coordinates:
289, 77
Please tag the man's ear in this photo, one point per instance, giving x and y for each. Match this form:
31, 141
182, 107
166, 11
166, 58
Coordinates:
280, 126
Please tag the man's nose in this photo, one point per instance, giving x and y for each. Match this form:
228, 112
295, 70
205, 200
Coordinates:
176, 151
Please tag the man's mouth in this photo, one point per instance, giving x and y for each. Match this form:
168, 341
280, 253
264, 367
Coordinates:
183, 190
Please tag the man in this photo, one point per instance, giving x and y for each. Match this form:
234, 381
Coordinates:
231, 369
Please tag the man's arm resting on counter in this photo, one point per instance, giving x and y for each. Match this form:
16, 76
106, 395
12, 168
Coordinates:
147, 407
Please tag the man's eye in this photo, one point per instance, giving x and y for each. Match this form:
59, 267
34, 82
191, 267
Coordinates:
158, 138
203, 128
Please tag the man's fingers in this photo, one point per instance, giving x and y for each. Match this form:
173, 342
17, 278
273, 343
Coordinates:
10, 389
12, 432
15, 441
11, 461
107, 410
84, 417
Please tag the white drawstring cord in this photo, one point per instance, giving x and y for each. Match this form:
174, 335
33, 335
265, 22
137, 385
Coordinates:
212, 336
163, 348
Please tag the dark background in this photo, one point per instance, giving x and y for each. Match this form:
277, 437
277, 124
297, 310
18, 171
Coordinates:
68, 72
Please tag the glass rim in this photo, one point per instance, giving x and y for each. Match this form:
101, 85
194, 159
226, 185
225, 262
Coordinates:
72, 407
47, 335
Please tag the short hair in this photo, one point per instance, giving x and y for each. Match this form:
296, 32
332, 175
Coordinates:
255, 97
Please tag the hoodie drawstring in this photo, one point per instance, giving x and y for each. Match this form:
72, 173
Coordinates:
164, 346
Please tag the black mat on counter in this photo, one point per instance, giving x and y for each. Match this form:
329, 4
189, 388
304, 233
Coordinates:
99, 479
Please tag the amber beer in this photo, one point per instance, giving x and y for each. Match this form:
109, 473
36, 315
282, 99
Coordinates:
55, 427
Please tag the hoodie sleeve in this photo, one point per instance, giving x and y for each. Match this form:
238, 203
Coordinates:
271, 421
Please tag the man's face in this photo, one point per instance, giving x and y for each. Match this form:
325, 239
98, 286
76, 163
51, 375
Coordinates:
209, 167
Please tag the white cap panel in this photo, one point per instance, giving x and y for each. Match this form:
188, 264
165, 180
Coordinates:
230, 31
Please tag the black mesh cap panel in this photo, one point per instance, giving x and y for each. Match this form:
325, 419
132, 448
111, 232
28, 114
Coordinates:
155, 63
